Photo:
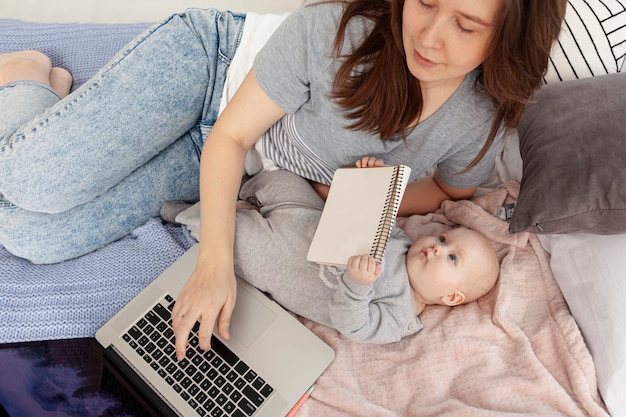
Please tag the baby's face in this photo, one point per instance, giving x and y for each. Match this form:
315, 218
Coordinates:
440, 265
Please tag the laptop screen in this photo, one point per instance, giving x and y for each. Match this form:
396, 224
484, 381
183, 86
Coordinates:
64, 378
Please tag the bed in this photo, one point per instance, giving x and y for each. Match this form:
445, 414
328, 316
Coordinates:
546, 341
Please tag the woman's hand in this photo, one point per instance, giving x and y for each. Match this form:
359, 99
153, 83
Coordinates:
209, 298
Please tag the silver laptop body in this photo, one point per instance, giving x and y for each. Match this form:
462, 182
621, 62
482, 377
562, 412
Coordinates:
270, 361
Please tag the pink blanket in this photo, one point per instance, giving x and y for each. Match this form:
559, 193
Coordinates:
516, 351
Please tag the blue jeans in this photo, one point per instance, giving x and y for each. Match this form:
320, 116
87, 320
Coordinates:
79, 173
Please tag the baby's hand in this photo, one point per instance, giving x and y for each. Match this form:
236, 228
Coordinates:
369, 161
363, 269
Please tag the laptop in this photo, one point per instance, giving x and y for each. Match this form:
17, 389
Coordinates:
65, 378
270, 361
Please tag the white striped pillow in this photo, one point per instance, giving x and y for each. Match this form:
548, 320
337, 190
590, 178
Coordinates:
592, 40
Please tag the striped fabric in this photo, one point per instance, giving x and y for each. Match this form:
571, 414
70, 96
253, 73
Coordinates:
282, 144
592, 41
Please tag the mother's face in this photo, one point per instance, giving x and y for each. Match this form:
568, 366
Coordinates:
446, 39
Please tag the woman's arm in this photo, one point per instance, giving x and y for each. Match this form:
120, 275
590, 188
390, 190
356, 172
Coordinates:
209, 294
422, 196
426, 195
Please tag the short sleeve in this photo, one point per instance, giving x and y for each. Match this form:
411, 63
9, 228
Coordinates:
298, 60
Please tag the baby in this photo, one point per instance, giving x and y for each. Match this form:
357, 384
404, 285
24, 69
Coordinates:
456, 267
366, 301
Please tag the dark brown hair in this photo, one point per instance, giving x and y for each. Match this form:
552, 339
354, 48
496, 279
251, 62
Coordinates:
381, 96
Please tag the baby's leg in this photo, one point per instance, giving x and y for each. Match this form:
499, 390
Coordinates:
271, 249
272, 190
271, 245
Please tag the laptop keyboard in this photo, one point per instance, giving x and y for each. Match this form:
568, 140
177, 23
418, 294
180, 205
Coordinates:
214, 383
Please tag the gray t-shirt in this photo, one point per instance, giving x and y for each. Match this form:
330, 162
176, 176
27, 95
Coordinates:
296, 69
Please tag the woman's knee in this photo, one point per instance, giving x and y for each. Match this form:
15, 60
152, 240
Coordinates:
51, 238
28, 235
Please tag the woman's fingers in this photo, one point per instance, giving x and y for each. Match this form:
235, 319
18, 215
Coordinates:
205, 301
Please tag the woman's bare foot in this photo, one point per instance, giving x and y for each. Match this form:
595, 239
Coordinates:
60, 81
34, 66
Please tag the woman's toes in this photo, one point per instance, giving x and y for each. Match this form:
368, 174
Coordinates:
60, 81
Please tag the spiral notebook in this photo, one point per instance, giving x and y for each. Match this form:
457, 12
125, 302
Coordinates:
359, 214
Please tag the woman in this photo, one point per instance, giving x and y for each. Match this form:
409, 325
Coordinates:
420, 82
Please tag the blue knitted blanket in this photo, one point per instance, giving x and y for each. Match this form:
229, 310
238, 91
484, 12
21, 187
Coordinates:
82, 49
74, 298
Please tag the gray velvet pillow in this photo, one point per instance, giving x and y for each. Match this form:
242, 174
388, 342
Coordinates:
573, 147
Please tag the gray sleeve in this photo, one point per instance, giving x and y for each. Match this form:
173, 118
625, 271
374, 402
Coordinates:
356, 315
296, 53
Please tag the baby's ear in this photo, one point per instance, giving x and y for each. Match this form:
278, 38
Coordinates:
453, 299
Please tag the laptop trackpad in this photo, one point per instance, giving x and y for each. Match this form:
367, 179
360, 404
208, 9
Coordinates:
250, 317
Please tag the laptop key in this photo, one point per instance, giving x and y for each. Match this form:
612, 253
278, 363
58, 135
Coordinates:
232, 376
246, 406
258, 383
253, 396
224, 369
164, 313
209, 404
229, 407
240, 383
241, 368
153, 318
266, 390
201, 397
221, 399
190, 370
135, 333
235, 396
223, 351
250, 376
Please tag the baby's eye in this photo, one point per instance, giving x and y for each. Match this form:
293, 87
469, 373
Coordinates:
452, 258
442, 240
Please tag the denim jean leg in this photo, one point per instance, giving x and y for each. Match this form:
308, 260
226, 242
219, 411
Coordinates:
51, 238
149, 95
20, 102
101, 162
229, 27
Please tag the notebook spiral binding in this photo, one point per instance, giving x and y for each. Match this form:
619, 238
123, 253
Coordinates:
390, 211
